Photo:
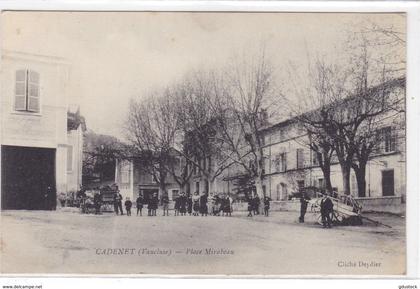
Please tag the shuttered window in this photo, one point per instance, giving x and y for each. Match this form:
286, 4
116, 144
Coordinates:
299, 158
27, 91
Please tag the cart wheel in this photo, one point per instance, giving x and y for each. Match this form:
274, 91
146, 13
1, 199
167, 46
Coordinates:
320, 220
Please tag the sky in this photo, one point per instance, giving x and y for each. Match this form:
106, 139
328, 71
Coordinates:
116, 56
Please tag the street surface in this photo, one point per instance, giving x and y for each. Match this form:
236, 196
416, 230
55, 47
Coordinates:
69, 242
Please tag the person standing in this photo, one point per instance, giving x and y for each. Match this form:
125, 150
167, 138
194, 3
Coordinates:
327, 208
165, 204
196, 203
217, 204
97, 201
203, 205
139, 204
250, 201
176, 206
128, 204
189, 204
212, 201
266, 205
118, 201
257, 203
183, 204
154, 203
229, 202
304, 200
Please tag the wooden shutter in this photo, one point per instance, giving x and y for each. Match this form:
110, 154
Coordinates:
20, 90
33, 91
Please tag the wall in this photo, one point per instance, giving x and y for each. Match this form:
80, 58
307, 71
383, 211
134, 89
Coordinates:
75, 142
382, 204
48, 128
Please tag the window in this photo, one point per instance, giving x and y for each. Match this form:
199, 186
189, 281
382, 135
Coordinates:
175, 194
315, 161
283, 191
125, 176
278, 192
283, 162
301, 185
321, 184
299, 158
69, 158
388, 139
27, 91
277, 163
281, 135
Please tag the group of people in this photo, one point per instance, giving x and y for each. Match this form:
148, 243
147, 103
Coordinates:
193, 205
213, 204
254, 203
326, 206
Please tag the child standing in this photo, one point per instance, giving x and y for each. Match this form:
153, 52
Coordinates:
139, 204
128, 205
250, 205
196, 203
165, 204
266, 205
176, 207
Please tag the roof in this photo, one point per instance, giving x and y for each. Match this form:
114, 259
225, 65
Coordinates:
74, 120
49, 59
396, 82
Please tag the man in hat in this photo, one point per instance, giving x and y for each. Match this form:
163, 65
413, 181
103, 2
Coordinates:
304, 200
118, 201
327, 208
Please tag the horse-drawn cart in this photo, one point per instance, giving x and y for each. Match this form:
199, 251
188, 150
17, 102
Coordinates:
107, 196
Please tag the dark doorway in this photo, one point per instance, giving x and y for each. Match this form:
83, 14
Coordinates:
148, 194
388, 183
28, 178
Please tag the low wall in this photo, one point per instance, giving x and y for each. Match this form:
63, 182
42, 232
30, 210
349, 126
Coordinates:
392, 204
274, 206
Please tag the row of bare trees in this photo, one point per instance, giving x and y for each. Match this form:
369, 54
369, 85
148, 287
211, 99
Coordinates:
208, 122
212, 120
344, 104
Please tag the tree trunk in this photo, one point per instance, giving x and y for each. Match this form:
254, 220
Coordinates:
260, 193
345, 170
162, 189
360, 172
327, 177
326, 170
258, 187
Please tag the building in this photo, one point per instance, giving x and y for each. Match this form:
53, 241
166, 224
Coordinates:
291, 165
40, 151
76, 126
133, 179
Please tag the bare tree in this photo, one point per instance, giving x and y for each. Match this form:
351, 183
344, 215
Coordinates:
243, 105
152, 127
197, 96
344, 102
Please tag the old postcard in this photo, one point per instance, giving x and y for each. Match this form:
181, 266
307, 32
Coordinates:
203, 143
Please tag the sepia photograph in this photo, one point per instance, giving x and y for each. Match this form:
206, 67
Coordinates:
203, 143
